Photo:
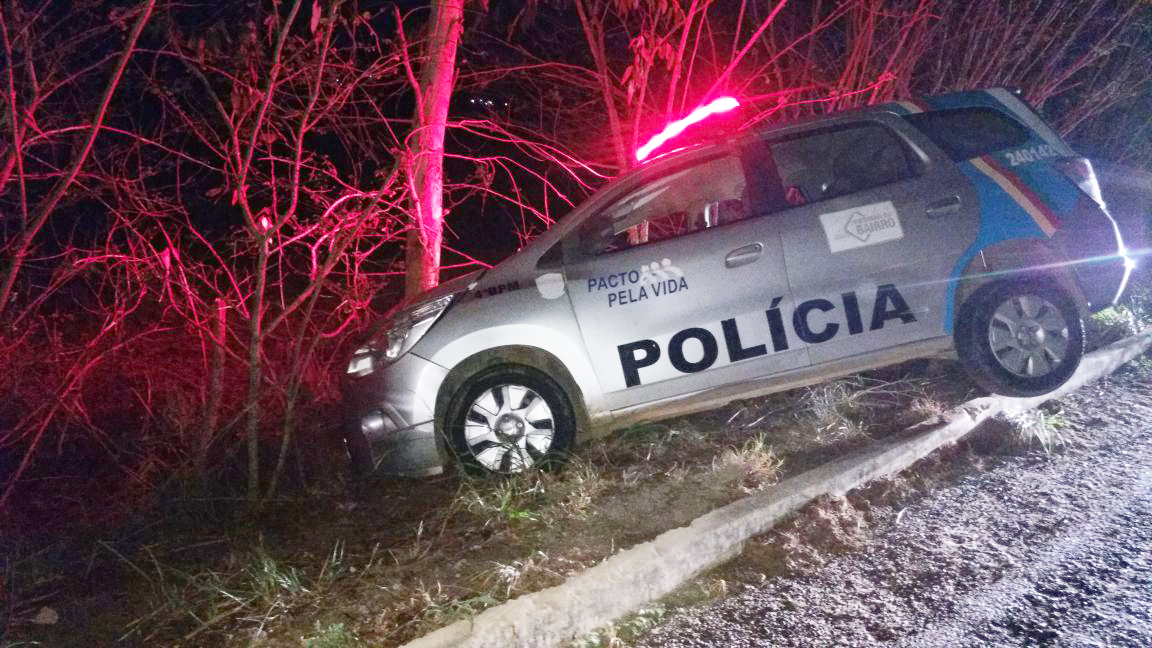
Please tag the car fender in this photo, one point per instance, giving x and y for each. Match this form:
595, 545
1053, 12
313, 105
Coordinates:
1017, 259
553, 354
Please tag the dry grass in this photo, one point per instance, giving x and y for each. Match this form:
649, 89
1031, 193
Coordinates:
846, 409
548, 497
251, 590
518, 576
750, 467
481, 542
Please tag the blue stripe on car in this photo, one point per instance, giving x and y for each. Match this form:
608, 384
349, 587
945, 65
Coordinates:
1003, 220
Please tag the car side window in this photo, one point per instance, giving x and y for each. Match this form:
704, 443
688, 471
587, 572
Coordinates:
708, 194
827, 163
965, 133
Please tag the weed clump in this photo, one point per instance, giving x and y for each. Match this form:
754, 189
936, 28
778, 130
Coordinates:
1110, 325
332, 635
750, 467
1039, 428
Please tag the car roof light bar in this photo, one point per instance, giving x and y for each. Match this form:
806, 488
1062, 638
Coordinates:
714, 107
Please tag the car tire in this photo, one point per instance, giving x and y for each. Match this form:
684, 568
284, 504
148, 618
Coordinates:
1020, 338
509, 419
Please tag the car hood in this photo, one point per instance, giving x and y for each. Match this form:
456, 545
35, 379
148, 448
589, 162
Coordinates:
455, 285
458, 284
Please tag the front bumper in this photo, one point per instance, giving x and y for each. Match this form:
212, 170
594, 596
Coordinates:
393, 408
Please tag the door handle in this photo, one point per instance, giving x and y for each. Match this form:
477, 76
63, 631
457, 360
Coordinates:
743, 255
943, 207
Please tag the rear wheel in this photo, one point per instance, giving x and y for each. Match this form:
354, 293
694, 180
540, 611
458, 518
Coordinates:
1020, 338
509, 419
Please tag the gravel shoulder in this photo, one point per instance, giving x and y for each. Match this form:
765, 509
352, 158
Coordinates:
992, 545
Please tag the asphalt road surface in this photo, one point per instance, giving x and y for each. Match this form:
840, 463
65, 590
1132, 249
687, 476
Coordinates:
1035, 550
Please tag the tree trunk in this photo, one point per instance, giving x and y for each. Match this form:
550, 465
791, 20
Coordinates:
215, 391
256, 370
593, 27
437, 77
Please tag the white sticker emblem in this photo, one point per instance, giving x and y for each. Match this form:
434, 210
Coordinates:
657, 272
861, 226
551, 285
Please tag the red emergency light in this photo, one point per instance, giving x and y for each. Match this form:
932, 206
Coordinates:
714, 107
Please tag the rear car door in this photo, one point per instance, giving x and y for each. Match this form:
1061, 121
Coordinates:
871, 227
676, 289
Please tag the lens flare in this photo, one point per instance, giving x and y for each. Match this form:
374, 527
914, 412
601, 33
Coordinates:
714, 107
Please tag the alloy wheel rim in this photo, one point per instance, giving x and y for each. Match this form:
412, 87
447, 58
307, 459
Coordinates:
1028, 336
509, 428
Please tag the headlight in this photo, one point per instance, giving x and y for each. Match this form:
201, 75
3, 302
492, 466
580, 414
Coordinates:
362, 362
400, 332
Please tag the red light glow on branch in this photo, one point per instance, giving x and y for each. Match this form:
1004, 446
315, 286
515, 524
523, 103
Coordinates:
715, 107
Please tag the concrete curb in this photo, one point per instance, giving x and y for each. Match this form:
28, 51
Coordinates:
650, 570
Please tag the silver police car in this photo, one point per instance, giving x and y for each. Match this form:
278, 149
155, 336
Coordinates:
958, 225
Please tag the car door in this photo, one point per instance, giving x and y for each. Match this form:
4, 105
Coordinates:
693, 302
871, 227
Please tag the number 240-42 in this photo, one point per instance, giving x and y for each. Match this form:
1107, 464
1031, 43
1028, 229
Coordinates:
1023, 156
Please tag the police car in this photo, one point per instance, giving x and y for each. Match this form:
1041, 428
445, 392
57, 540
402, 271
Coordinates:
959, 225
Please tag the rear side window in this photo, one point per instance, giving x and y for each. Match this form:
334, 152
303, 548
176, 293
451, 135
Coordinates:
825, 164
970, 132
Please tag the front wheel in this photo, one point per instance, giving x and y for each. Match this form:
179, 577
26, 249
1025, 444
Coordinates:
1020, 338
509, 419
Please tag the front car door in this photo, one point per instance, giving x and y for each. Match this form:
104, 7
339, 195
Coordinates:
676, 289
